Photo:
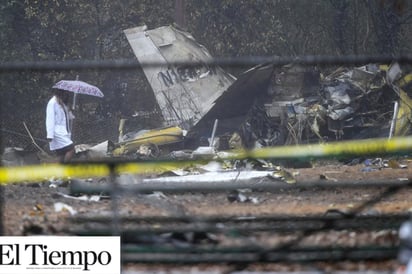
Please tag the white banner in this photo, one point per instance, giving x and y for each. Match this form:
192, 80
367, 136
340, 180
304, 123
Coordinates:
60, 255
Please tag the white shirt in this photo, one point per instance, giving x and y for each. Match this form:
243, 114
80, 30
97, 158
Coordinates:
58, 124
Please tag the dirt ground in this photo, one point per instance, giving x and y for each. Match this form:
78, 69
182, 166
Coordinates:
33, 208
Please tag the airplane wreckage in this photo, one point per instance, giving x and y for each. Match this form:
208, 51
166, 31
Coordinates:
206, 107
265, 105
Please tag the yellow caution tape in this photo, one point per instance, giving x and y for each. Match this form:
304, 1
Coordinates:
346, 148
84, 170
48, 171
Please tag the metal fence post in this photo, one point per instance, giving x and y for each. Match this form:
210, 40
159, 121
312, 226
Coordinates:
114, 193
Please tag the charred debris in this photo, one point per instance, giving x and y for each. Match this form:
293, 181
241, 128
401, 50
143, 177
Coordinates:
294, 105
265, 105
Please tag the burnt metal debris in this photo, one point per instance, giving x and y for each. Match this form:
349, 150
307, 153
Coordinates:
269, 105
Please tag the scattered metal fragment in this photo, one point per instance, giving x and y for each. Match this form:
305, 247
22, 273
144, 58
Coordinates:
324, 177
238, 196
59, 207
89, 198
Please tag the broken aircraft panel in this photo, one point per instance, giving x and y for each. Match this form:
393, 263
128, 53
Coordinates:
150, 139
183, 93
233, 107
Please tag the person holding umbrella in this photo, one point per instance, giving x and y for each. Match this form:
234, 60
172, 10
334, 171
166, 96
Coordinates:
59, 117
58, 125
